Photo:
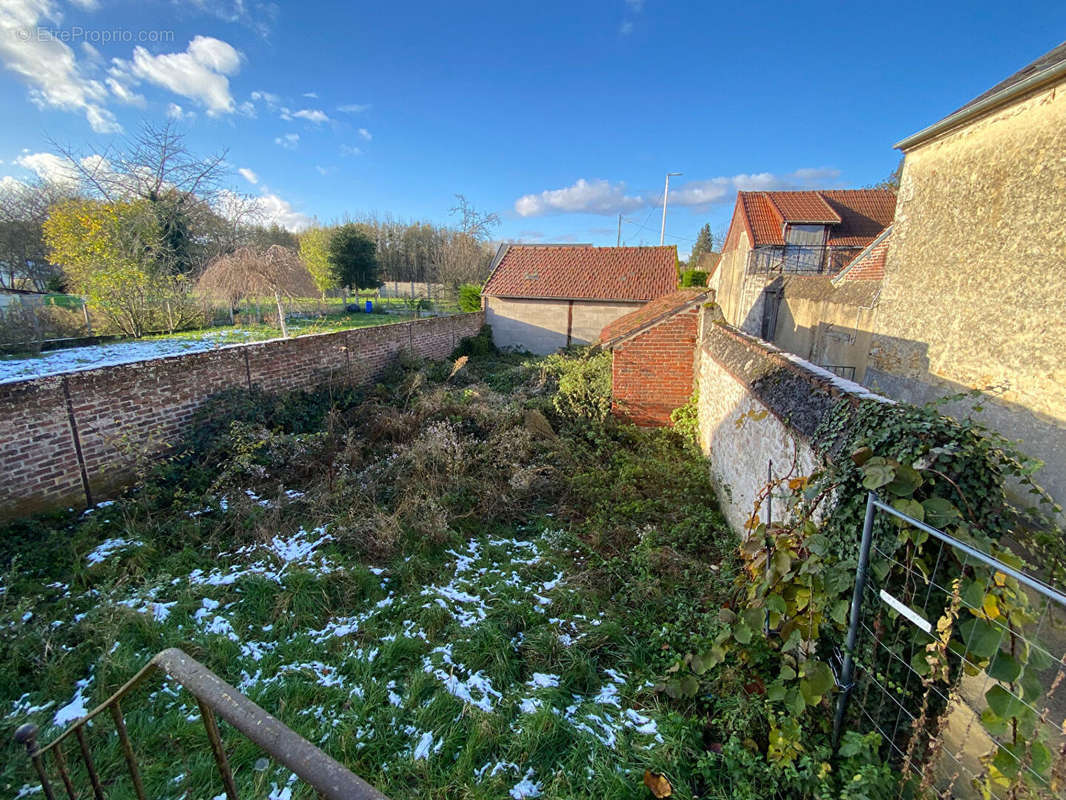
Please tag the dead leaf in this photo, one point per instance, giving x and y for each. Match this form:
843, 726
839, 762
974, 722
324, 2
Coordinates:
537, 424
459, 364
658, 784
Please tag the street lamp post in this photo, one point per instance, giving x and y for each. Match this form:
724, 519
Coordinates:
666, 194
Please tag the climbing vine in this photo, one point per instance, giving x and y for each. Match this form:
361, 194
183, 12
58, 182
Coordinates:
790, 617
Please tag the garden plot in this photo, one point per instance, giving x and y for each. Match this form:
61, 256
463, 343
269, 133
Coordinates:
485, 674
75, 359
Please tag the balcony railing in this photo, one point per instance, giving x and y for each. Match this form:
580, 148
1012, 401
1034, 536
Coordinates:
327, 777
800, 259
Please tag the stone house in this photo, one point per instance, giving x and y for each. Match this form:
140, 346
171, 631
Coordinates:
544, 297
776, 276
975, 272
653, 354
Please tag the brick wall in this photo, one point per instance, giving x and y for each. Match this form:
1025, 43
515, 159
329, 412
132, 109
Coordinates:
652, 372
69, 439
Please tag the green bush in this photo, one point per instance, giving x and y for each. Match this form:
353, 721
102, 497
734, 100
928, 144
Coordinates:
469, 297
477, 346
692, 278
584, 383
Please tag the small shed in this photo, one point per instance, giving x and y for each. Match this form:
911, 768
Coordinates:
544, 297
654, 352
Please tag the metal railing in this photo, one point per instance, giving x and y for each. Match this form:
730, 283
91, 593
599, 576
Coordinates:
840, 370
993, 725
800, 259
327, 777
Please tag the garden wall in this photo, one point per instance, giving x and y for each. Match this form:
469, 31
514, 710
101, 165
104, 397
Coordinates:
68, 440
759, 406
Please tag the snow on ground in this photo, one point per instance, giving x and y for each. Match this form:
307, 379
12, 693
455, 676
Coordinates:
355, 655
77, 359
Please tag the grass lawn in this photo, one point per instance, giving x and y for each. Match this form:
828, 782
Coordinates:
419, 578
298, 326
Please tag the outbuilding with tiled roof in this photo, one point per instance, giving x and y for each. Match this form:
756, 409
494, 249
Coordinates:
653, 352
543, 297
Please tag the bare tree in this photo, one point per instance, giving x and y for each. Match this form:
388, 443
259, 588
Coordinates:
278, 271
474, 223
156, 165
24, 207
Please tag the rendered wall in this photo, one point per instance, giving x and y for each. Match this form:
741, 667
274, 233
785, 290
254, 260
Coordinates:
70, 439
975, 277
540, 326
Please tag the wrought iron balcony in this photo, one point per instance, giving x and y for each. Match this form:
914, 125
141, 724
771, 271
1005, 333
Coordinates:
800, 259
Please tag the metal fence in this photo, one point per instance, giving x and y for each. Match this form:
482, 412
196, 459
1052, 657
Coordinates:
326, 777
957, 659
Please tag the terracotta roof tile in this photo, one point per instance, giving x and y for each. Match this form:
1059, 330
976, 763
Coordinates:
803, 208
584, 272
855, 216
650, 313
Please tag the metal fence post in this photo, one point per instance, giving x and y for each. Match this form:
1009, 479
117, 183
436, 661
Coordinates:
848, 667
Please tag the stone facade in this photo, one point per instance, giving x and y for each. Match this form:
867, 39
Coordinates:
69, 439
975, 278
542, 326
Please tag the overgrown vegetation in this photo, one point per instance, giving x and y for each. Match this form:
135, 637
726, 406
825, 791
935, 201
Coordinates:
461, 581
797, 579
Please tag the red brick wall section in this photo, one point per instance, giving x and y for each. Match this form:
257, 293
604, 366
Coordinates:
113, 415
652, 372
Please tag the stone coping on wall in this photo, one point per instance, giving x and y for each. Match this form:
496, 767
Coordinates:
794, 390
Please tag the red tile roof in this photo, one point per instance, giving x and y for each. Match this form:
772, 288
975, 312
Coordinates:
584, 272
855, 216
650, 313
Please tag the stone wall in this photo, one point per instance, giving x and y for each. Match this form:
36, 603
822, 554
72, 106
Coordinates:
974, 279
758, 410
68, 440
652, 372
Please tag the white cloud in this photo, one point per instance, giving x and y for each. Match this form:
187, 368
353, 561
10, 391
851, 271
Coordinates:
635, 5
48, 67
591, 197
266, 97
724, 189
260, 17
312, 95
323, 170
87, 5
124, 93
353, 108
603, 197
290, 141
274, 209
626, 27
56, 169
248, 175
312, 115
350, 150
200, 73
176, 112
365, 134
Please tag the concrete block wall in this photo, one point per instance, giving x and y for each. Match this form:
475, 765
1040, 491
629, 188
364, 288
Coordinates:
652, 372
68, 440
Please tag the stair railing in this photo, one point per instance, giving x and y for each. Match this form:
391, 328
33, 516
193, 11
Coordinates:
327, 777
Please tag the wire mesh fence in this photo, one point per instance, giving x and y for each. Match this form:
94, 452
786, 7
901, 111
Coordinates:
957, 658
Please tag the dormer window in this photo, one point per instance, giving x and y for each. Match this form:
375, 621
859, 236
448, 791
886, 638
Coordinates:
805, 235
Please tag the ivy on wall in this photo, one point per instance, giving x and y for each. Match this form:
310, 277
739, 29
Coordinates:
791, 611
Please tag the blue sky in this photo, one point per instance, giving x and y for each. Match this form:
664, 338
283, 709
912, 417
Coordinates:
555, 115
